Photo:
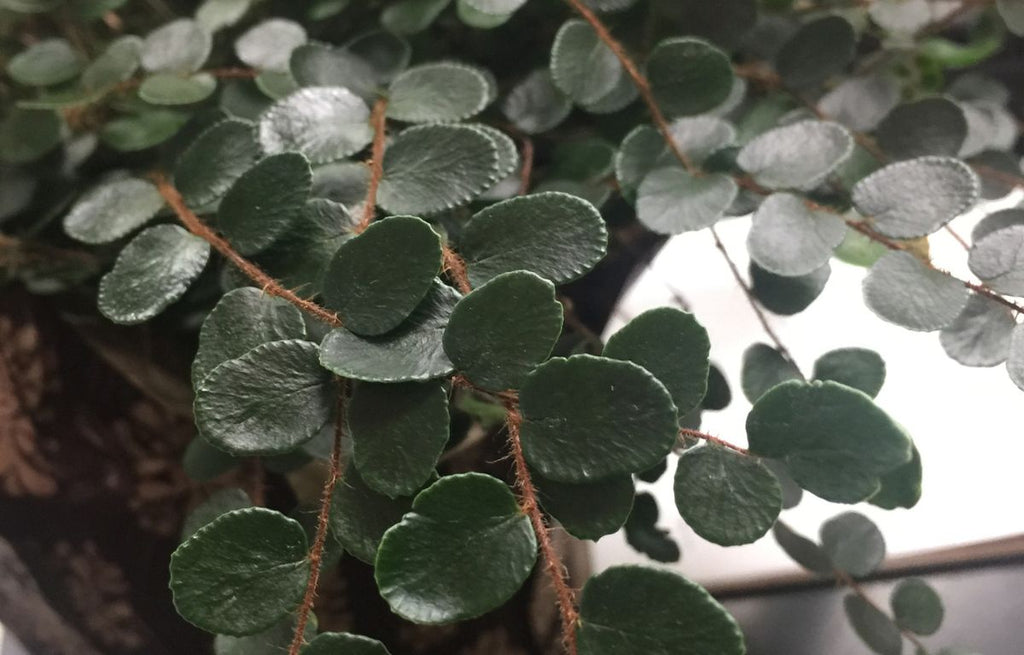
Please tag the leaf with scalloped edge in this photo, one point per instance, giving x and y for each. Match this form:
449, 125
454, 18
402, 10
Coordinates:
688, 76
442, 92
323, 123
796, 156
112, 209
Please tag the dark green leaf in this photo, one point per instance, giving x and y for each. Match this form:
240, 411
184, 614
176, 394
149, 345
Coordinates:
673, 346
654, 473
997, 259
143, 130
787, 295
932, 126
591, 510
28, 134
835, 441
853, 543
818, 50
437, 564
901, 487
582, 66
586, 418
263, 203
378, 278
688, 76
274, 641
152, 271
268, 45
412, 351
241, 573
180, 46
555, 235
431, 168
916, 606
914, 198
299, 259
112, 209
631, 610
997, 221
443, 92
644, 149
644, 535
719, 395
360, 516
859, 249
792, 494
243, 319
175, 89
45, 63
764, 367
268, 401
671, 201
796, 156
875, 628
980, 336
789, 238
202, 462
727, 498
398, 433
220, 502
500, 332
344, 643
859, 368
323, 123
536, 105
411, 16
902, 290
218, 157
802, 550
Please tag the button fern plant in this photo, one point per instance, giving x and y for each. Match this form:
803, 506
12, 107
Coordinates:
378, 211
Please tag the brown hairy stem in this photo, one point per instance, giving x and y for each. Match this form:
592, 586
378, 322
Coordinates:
696, 434
527, 171
269, 285
455, 267
378, 119
317, 551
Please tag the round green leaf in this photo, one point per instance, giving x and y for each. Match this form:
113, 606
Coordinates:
444, 92
860, 250
142, 130
644, 535
536, 105
117, 63
671, 201
673, 346
834, 440
300, 257
787, 295
980, 336
818, 50
727, 498
412, 351
582, 66
437, 565
902, 290
859, 368
112, 209
644, 149
378, 278
688, 76
914, 198
796, 156
269, 401
555, 235
789, 238
317, 64
28, 134
802, 550
591, 510
220, 502
764, 367
860, 103
268, 45
360, 516
901, 487
853, 543
586, 418
323, 123
398, 433
932, 126
632, 610
218, 157
45, 63
500, 332
174, 89
263, 203
214, 15
916, 606
718, 395
875, 628
152, 271
241, 573
180, 46
998, 259
431, 168
272, 641
243, 319
411, 16
336, 643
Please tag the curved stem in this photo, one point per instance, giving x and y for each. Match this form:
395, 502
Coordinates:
696, 434
269, 285
376, 163
317, 551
